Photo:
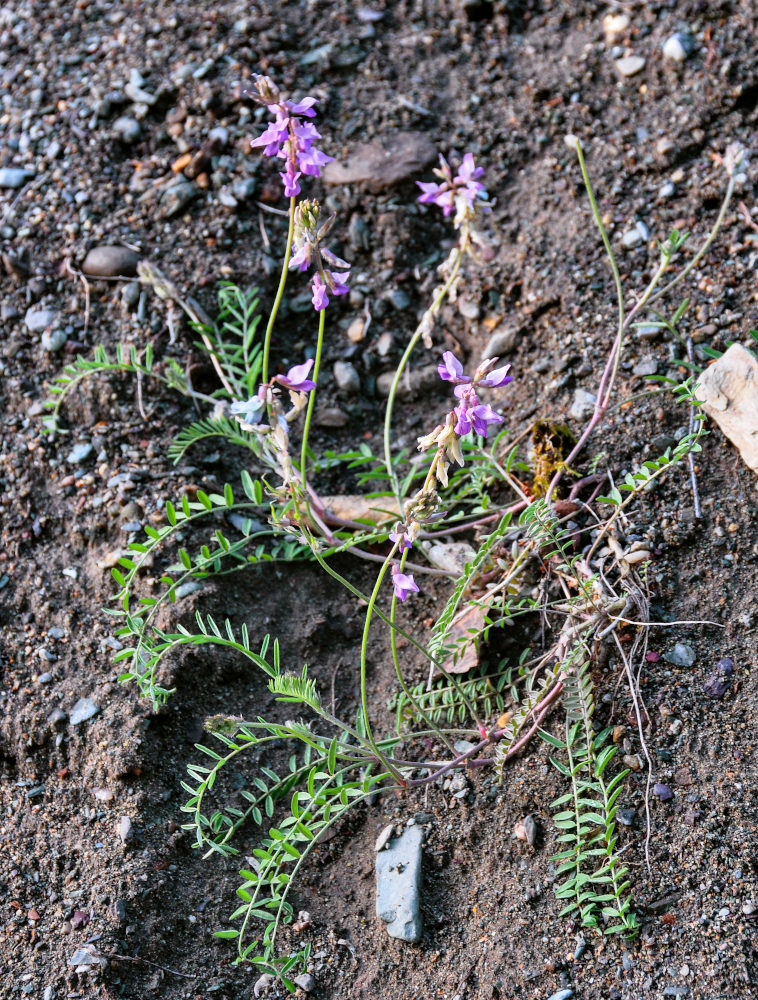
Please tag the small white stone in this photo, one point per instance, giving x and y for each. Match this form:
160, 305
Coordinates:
630, 65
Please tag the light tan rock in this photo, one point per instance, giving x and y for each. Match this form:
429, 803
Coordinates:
728, 390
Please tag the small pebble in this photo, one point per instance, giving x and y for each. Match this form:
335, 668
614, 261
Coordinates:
561, 995
37, 320
83, 710
398, 298
630, 65
384, 344
357, 330
110, 262
468, 308
347, 378
244, 189
526, 829
648, 366
332, 416
306, 982
502, 341
53, 340
667, 190
583, 405
678, 46
681, 655
44, 678
185, 589
384, 836
614, 26
631, 238
80, 453
626, 816
178, 197
127, 129
663, 792
125, 830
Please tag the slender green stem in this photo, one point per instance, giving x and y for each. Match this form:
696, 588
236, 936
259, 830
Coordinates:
312, 397
279, 293
364, 649
406, 690
431, 311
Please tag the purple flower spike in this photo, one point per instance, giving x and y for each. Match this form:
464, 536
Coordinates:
464, 192
287, 137
297, 378
403, 583
451, 370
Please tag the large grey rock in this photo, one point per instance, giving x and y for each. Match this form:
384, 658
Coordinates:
502, 341
14, 177
398, 885
37, 320
384, 162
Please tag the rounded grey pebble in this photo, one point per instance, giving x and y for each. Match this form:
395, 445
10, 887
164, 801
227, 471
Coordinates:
398, 298
306, 982
347, 378
53, 340
130, 294
127, 129
561, 995
219, 135
110, 262
244, 188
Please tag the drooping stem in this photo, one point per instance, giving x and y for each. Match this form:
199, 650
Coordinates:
279, 293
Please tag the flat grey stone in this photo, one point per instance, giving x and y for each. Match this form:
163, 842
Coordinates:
631, 238
244, 188
647, 366
127, 129
14, 177
678, 46
384, 162
125, 829
80, 453
502, 341
38, 320
178, 197
398, 885
84, 709
583, 405
681, 655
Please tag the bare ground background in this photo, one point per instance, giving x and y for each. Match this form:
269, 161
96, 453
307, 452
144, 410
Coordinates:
506, 80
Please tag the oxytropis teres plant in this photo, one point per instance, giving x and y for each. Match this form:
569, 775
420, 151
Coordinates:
524, 562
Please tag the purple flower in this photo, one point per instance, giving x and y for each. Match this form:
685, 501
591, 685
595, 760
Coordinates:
462, 192
402, 537
451, 370
319, 298
251, 410
403, 583
297, 378
289, 138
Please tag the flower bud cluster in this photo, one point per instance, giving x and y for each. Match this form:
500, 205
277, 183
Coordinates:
308, 252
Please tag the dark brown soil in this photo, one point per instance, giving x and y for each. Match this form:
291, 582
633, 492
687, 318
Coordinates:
506, 80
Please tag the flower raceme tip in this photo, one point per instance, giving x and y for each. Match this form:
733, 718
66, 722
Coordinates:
288, 137
463, 192
309, 251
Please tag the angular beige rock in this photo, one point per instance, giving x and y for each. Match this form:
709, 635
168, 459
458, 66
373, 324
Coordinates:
728, 390
383, 162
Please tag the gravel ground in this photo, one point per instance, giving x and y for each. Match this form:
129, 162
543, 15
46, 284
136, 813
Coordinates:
126, 126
